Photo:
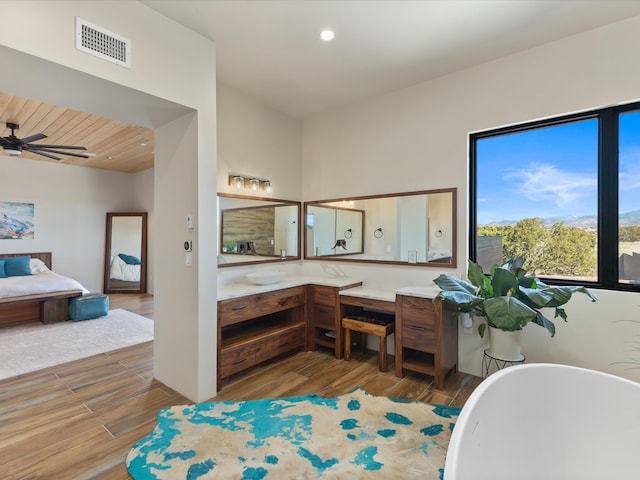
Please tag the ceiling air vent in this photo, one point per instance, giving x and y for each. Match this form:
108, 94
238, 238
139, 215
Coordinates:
102, 43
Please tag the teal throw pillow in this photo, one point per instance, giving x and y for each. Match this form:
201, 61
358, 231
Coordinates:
17, 266
129, 259
2, 274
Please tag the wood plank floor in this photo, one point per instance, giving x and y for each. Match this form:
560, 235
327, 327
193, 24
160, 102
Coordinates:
80, 419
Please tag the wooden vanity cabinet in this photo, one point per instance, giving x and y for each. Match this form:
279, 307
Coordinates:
256, 328
426, 338
325, 327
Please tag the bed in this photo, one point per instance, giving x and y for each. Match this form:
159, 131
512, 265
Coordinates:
42, 296
125, 268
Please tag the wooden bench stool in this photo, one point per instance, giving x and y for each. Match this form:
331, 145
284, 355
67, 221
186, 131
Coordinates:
379, 324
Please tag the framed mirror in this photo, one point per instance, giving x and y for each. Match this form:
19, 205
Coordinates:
257, 230
125, 257
334, 230
408, 228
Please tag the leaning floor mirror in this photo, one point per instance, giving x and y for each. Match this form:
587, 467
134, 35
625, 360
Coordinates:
125, 258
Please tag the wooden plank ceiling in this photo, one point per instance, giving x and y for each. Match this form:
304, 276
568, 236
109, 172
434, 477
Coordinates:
117, 146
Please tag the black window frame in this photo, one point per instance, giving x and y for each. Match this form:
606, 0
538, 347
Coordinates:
608, 175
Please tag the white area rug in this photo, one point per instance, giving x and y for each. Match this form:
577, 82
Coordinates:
32, 347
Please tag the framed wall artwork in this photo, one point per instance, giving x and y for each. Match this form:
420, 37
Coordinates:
16, 220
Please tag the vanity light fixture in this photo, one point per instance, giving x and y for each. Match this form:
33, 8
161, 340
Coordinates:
240, 182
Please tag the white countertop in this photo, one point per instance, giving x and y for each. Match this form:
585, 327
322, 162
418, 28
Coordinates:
241, 288
372, 293
422, 292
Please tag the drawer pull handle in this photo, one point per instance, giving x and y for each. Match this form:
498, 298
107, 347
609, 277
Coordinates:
323, 294
415, 327
323, 310
239, 307
365, 302
237, 362
417, 307
283, 344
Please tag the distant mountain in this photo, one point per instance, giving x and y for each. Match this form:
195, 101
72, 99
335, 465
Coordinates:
585, 221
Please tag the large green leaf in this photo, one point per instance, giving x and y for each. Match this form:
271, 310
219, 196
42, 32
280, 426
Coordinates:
475, 274
503, 282
535, 297
552, 296
545, 322
464, 301
508, 313
452, 284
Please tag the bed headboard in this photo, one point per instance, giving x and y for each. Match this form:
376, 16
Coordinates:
44, 256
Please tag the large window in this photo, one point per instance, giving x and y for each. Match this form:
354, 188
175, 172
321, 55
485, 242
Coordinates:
564, 194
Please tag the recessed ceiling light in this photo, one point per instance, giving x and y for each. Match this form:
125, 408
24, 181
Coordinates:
327, 35
143, 144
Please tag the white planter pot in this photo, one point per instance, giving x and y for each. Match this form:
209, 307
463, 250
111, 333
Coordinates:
505, 345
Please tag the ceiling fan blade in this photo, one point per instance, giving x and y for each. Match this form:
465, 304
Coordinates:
50, 150
43, 154
66, 147
33, 138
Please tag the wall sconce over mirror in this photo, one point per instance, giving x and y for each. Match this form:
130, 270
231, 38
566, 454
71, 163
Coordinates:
256, 185
257, 230
402, 228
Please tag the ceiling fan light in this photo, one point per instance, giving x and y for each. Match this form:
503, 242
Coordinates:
12, 151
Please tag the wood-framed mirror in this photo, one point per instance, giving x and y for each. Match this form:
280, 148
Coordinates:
334, 230
407, 228
257, 230
125, 255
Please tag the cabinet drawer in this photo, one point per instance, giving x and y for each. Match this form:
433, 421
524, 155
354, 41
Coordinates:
418, 337
324, 295
240, 309
240, 357
418, 312
324, 317
277, 344
236, 359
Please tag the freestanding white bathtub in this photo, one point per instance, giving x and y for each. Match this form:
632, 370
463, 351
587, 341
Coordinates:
547, 422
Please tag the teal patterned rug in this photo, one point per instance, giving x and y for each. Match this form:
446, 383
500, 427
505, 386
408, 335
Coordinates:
353, 436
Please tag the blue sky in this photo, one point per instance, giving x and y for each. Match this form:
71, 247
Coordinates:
552, 171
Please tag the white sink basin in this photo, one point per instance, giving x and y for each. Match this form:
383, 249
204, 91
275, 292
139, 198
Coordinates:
265, 278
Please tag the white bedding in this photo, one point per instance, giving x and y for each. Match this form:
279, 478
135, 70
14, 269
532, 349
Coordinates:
120, 270
41, 282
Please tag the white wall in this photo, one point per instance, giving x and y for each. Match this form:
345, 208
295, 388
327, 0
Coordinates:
154, 92
417, 138
256, 140
70, 212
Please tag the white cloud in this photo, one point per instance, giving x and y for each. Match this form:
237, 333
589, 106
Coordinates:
629, 168
549, 183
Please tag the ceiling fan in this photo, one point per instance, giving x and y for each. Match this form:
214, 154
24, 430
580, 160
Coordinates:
15, 146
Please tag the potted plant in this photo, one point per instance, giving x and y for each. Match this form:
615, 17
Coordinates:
507, 299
